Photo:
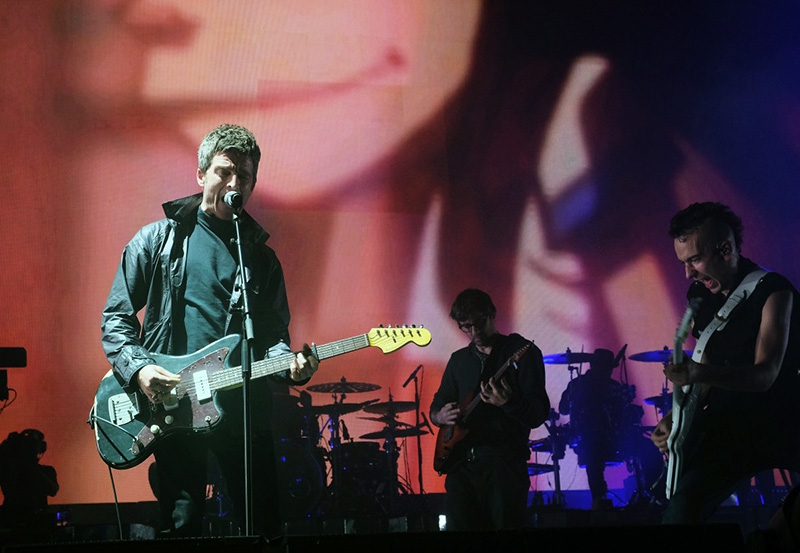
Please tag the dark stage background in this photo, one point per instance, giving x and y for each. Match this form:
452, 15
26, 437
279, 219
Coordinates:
412, 148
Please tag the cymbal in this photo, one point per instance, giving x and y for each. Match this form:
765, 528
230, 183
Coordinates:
568, 358
343, 387
543, 445
663, 401
656, 356
389, 433
387, 420
390, 407
538, 468
337, 408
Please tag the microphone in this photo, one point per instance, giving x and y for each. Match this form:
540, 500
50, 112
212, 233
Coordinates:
233, 199
410, 378
620, 355
696, 290
345, 433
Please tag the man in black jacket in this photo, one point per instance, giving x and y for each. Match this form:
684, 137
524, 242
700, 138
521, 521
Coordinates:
487, 482
183, 270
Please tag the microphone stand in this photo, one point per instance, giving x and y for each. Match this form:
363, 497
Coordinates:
423, 504
246, 349
419, 436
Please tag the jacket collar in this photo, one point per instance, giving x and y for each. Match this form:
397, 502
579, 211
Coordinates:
183, 211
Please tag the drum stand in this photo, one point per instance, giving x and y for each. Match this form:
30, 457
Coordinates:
334, 424
559, 447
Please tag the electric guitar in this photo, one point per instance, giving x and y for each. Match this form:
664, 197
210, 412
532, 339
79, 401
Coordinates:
685, 402
128, 427
450, 445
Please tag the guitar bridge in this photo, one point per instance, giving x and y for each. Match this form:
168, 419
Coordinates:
122, 408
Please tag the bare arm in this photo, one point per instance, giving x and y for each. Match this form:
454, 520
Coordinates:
771, 343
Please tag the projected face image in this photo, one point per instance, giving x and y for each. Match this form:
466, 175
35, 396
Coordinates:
329, 88
410, 149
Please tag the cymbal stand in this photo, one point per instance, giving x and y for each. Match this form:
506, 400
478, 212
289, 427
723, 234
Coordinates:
418, 423
664, 394
392, 452
422, 503
559, 450
334, 452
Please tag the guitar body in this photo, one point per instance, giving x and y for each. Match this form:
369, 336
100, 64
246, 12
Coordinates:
128, 427
684, 437
685, 401
451, 447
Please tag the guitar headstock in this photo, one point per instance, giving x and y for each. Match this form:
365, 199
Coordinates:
520, 352
390, 338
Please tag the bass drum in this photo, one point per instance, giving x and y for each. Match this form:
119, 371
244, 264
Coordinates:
361, 468
300, 478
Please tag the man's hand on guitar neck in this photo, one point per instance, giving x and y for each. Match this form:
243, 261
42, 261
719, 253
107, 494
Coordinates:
494, 392
304, 365
683, 373
156, 382
661, 433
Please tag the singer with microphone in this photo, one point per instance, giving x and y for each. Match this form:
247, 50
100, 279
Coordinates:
185, 272
492, 393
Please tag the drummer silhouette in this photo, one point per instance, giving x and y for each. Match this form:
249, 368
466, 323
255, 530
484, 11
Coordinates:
599, 409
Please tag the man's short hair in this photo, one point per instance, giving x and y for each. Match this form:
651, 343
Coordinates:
472, 304
228, 138
713, 218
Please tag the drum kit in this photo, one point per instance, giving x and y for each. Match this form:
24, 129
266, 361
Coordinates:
636, 450
325, 469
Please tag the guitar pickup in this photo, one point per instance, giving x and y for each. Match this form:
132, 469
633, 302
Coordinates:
201, 386
122, 408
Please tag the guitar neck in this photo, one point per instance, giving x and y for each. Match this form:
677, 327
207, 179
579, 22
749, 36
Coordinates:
683, 330
233, 377
498, 374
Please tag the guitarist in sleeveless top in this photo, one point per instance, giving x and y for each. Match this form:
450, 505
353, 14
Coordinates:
747, 375
492, 405
181, 272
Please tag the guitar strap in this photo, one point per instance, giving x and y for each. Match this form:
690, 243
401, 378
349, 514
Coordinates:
741, 293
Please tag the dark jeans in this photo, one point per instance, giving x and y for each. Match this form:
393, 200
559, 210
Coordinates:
722, 462
489, 491
182, 480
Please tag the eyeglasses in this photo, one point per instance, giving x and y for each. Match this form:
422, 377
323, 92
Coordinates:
467, 326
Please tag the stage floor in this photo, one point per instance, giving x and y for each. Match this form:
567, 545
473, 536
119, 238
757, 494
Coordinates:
408, 514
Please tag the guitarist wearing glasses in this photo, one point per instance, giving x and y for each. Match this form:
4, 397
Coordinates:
491, 395
739, 390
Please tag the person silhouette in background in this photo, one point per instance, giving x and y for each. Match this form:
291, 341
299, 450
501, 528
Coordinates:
25, 482
597, 407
